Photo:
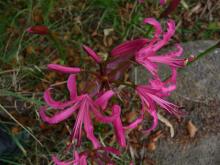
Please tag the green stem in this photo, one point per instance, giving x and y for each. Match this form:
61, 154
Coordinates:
200, 55
204, 53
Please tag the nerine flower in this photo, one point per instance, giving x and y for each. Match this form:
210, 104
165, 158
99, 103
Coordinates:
89, 106
99, 155
150, 98
83, 104
145, 51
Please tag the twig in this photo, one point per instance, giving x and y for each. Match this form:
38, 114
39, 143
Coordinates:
12, 117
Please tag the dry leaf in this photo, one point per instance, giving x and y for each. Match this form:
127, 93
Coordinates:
15, 130
167, 123
191, 129
30, 50
151, 146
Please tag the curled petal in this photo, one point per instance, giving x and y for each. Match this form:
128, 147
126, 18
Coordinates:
135, 123
166, 87
155, 24
92, 54
171, 108
166, 37
168, 60
55, 104
104, 119
120, 135
103, 100
79, 159
90, 131
63, 69
82, 161
59, 116
129, 47
83, 111
178, 52
169, 85
153, 113
58, 162
71, 85
150, 66
172, 79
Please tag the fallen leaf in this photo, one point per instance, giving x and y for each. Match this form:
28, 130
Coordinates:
15, 130
191, 129
151, 146
30, 50
167, 123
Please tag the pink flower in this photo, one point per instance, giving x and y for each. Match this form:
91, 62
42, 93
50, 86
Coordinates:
38, 29
151, 96
98, 155
84, 105
145, 51
147, 56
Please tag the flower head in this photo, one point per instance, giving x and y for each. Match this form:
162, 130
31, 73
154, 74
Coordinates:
83, 104
148, 57
150, 97
144, 51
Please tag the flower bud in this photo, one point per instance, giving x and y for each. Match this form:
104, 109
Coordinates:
38, 29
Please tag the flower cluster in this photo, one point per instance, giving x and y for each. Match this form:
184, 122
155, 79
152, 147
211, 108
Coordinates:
89, 106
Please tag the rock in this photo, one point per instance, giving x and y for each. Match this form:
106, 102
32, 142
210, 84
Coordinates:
197, 91
205, 152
